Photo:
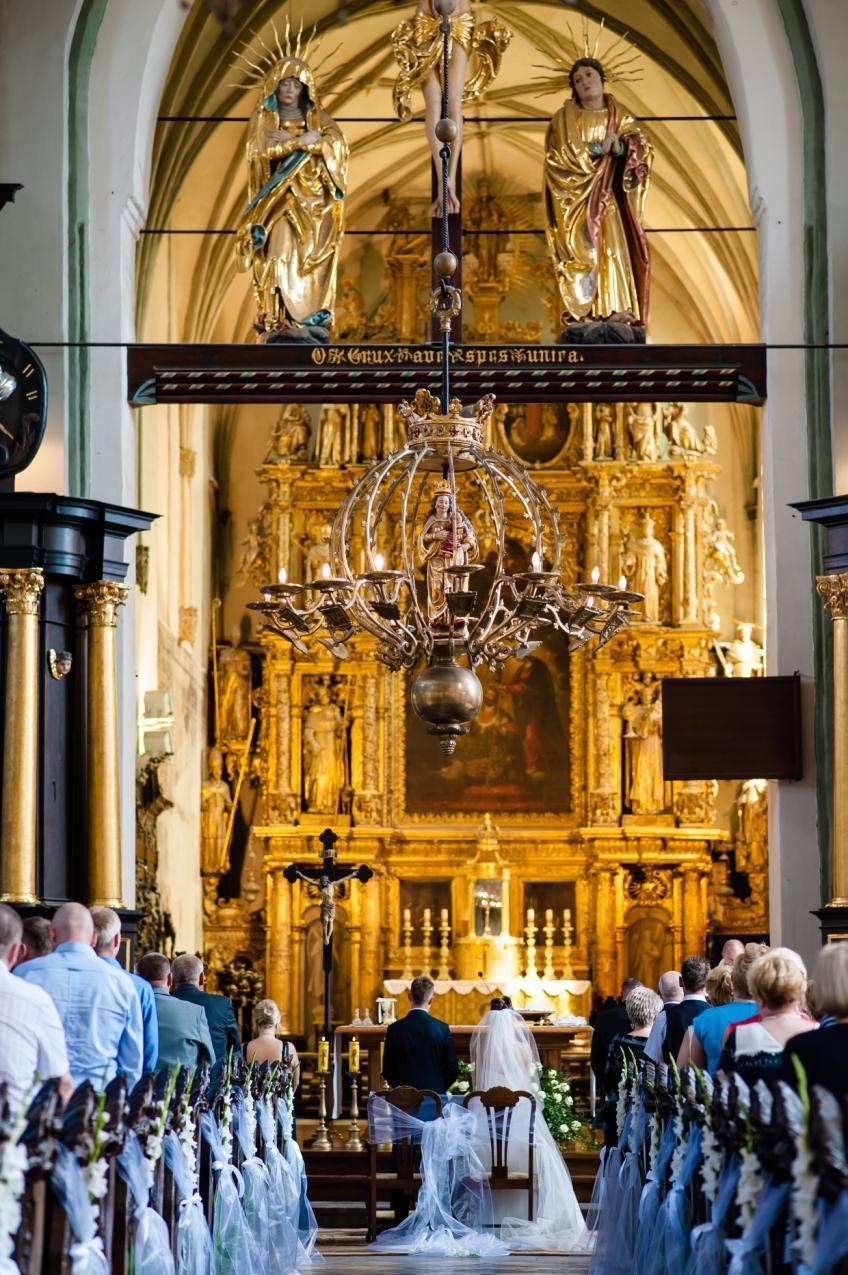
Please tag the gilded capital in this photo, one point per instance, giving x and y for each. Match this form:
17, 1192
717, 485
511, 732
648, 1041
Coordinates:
834, 590
20, 589
101, 601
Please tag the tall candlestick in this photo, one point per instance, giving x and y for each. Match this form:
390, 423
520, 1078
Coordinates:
426, 945
530, 930
567, 937
444, 949
406, 971
353, 1055
550, 930
323, 1055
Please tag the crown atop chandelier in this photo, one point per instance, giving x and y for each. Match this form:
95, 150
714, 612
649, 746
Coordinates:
446, 554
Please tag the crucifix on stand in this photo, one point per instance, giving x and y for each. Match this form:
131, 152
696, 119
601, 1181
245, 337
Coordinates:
327, 876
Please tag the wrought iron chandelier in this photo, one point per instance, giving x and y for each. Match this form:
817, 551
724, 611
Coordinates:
405, 556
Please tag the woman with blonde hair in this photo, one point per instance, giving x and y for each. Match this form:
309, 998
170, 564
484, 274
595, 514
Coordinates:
824, 1054
778, 983
266, 1046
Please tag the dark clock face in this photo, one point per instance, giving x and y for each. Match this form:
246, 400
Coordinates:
23, 404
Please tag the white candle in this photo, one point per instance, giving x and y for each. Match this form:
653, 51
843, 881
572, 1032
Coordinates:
622, 583
282, 575
426, 916
444, 916
407, 916
531, 915
379, 561
325, 571
567, 916
549, 916
596, 574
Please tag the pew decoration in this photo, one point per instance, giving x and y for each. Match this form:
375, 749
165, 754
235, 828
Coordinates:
192, 1173
716, 1178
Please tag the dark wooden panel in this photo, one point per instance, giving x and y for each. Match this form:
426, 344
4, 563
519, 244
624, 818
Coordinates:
383, 373
732, 728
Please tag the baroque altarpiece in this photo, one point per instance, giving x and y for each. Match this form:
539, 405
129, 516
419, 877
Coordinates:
552, 813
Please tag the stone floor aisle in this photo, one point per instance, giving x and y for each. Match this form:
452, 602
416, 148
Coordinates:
353, 1258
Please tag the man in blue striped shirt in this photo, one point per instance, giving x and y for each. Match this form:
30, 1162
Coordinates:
97, 1005
107, 931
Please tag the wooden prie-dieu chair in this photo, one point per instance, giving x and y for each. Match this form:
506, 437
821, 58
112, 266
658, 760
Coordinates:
499, 1109
402, 1177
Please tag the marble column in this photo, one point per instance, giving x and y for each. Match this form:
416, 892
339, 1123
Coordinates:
20, 590
834, 590
100, 602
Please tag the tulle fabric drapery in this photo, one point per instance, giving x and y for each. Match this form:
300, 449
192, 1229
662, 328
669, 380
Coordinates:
283, 1199
708, 1255
453, 1213
194, 1243
504, 1053
231, 1246
69, 1186
151, 1242
307, 1226
747, 1255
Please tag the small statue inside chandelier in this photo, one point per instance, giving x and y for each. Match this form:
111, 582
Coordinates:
447, 539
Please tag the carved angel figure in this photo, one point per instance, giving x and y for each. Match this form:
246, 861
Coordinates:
417, 46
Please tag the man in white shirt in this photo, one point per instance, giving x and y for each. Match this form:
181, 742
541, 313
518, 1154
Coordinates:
32, 1041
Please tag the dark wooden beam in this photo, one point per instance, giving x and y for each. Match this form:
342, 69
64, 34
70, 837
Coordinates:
289, 373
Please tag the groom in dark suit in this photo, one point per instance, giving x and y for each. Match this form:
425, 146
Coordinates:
419, 1049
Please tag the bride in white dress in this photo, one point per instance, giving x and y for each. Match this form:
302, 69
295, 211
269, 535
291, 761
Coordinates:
504, 1053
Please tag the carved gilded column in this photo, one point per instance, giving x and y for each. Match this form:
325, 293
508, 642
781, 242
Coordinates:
99, 602
20, 590
693, 913
834, 590
278, 946
604, 972
689, 607
603, 802
370, 958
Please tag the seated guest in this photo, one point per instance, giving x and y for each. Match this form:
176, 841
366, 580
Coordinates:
419, 1048
719, 986
670, 1028
731, 952
670, 988
183, 1029
607, 1025
36, 939
267, 1046
32, 1042
704, 1038
642, 1006
97, 1005
824, 1054
754, 1050
187, 985
107, 935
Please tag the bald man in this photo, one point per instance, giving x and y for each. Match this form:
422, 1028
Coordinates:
97, 1005
731, 952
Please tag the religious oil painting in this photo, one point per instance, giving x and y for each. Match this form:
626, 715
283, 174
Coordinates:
536, 432
515, 756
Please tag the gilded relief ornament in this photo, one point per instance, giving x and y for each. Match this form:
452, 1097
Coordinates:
604, 419
683, 438
235, 685
290, 435
644, 782
721, 565
645, 566
597, 171
215, 805
324, 766
417, 46
253, 567
644, 432
292, 227
751, 841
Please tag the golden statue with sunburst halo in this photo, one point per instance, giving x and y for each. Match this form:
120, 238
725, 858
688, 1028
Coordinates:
297, 158
597, 172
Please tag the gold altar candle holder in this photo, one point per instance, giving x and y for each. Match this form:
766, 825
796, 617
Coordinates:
21, 590
530, 932
354, 1133
444, 949
322, 1140
549, 931
567, 939
427, 943
834, 590
100, 601
406, 971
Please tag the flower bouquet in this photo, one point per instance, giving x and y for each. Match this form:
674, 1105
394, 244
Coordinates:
464, 1082
562, 1116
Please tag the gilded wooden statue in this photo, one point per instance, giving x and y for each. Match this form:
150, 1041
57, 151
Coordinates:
418, 47
215, 804
597, 172
447, 539
291, 230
